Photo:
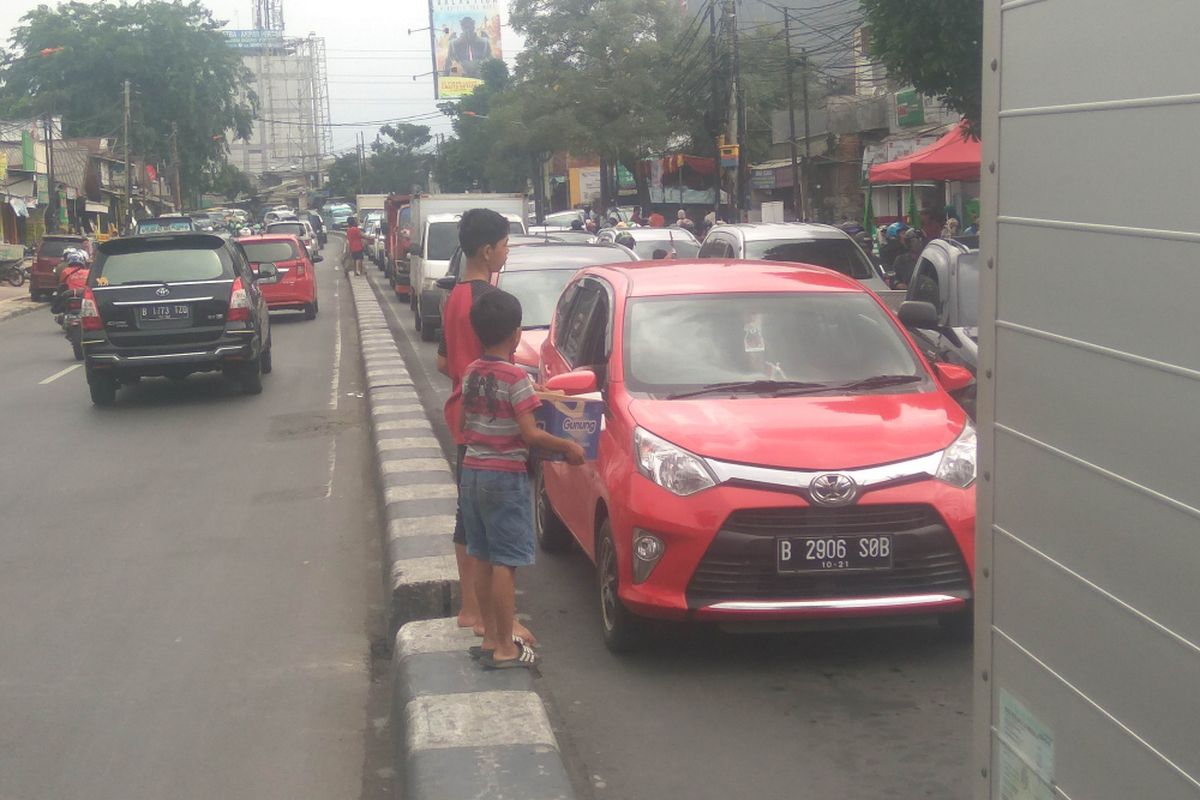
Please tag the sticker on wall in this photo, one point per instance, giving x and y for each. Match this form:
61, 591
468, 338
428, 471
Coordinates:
1026, 753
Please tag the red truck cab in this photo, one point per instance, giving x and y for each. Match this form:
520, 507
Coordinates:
397, 238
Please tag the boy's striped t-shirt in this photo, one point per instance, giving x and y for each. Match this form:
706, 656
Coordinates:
494, 393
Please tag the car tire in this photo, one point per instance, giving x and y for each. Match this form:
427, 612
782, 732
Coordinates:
429, 331
103, 389
77, 344
552, 535
265, 360
959, 626
250, 376
310, 310
623, 631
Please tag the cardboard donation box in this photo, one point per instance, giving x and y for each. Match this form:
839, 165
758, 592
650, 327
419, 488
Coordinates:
578, 418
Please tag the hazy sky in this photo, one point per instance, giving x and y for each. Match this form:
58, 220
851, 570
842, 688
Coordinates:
370, 56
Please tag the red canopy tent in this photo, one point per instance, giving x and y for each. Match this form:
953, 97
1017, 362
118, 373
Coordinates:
950, 158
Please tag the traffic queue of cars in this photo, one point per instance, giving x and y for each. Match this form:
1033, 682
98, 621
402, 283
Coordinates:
776, 447
174, 302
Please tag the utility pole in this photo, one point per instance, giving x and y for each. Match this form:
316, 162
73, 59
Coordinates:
736, 126
797, 199
362, 157
53, 203
128, 172
716, 111
807, 145
175, 166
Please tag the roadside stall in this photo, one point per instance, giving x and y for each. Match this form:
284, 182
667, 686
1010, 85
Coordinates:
952, 160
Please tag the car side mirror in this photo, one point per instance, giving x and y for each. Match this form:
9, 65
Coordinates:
268, 271
918, 314
953, 377
414, 249
318, 259
580, 381
447, 283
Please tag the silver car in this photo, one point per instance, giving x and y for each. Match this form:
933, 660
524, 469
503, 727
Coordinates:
803, 242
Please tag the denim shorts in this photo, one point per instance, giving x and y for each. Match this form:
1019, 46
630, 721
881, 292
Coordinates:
497, 511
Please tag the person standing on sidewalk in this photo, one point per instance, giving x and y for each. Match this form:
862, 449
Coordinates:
354, 243
483, 236
498, 428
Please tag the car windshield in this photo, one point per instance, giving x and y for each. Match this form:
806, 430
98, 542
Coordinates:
263, 252
680, 344
645, 248
538, 291
288, 227
160, 266
443, 238
841, 255
968, 290
163, 226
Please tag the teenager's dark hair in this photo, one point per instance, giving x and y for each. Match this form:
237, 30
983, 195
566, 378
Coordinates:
494, 316
479, 227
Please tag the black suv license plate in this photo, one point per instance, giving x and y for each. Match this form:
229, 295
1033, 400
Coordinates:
164, 311
833, 553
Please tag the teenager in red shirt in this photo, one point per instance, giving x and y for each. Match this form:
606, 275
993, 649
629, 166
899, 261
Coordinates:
355, 244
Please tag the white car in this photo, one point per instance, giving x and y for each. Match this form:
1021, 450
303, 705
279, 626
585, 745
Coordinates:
301, 229
801, 242
675, 242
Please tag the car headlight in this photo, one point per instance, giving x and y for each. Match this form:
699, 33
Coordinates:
671, 467
957, 466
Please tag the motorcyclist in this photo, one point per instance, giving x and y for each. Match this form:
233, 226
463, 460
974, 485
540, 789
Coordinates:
72, 274
893, 246
906, 262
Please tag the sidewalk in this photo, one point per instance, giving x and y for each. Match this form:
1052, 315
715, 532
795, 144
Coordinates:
14, 300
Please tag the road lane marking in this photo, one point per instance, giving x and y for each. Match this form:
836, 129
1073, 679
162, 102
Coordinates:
59, 374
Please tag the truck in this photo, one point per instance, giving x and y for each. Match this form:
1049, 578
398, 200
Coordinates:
369, 202
397, 216
434, 231
1087, 627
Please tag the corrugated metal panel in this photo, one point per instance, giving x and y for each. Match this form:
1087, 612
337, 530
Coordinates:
1088, 541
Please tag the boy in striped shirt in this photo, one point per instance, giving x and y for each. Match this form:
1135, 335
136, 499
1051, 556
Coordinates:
498, 429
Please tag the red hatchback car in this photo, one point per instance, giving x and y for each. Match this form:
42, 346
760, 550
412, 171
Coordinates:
296, 284
774, 448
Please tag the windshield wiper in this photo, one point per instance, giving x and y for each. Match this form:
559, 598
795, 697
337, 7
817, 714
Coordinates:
747, 387
874, 382
545, 327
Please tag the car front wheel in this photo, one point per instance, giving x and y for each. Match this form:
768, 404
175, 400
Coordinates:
623, 632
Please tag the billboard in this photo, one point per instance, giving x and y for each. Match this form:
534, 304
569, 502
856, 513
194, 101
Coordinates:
253, 39
464, 34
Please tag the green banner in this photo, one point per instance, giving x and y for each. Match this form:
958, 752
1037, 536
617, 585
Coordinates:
28, 162
910, 108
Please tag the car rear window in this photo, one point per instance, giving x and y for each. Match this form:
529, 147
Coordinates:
515, 227
840, 255
165, 265
53, 248
287, 227
264, 252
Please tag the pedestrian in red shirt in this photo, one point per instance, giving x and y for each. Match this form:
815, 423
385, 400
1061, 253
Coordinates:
483, 236
355, 244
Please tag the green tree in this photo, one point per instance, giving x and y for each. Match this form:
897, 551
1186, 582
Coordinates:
180, 66
398, 161
936, 45
229, 182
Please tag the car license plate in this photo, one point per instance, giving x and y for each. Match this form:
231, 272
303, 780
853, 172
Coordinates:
164, 311
834, 553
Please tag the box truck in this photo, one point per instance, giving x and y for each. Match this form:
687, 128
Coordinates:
1087, 667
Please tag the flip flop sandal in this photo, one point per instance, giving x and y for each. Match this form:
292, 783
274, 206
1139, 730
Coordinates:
478, 652
526, 659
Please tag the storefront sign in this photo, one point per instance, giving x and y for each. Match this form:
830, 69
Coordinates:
762, 179
910, 108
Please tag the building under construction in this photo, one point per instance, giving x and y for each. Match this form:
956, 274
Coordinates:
291, 130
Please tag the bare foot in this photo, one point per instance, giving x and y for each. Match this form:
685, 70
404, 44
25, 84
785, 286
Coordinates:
524, 633
466, 620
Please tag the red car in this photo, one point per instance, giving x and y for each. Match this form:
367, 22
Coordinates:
42, 280
774, 448
296, 284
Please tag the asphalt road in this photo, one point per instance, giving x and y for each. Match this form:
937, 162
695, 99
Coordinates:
704, 714
190, 580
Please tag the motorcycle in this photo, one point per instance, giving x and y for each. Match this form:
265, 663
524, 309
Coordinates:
68, 305
15, 272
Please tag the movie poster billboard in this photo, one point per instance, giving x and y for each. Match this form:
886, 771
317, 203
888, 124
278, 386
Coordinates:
464, 34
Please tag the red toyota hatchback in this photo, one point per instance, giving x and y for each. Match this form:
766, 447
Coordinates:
296, 284
774, 448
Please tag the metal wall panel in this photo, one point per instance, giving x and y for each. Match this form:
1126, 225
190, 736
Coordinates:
1088, 537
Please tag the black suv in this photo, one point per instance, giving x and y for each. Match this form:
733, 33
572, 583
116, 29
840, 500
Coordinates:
173, 304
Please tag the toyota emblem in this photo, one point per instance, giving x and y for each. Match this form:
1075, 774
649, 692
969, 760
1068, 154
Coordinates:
162, 291
833, 489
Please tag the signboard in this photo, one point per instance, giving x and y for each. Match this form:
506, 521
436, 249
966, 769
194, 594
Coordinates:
910, 108
584, 184
762, 179
464, 35
253, 39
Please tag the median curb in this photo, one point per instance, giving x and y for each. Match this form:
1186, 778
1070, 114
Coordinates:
419, 494
461, 731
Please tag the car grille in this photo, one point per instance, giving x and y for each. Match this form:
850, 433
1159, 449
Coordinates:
740, 561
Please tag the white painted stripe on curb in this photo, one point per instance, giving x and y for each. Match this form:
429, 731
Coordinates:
477, 719
399, 466
403, 425
421, 491
433, 636
428, 569
397, 408
420, 526
407, 443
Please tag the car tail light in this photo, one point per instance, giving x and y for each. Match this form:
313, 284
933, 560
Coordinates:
239, 303
300, 268
89, 314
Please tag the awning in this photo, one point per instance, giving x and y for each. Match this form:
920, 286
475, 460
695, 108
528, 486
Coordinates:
950, 158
